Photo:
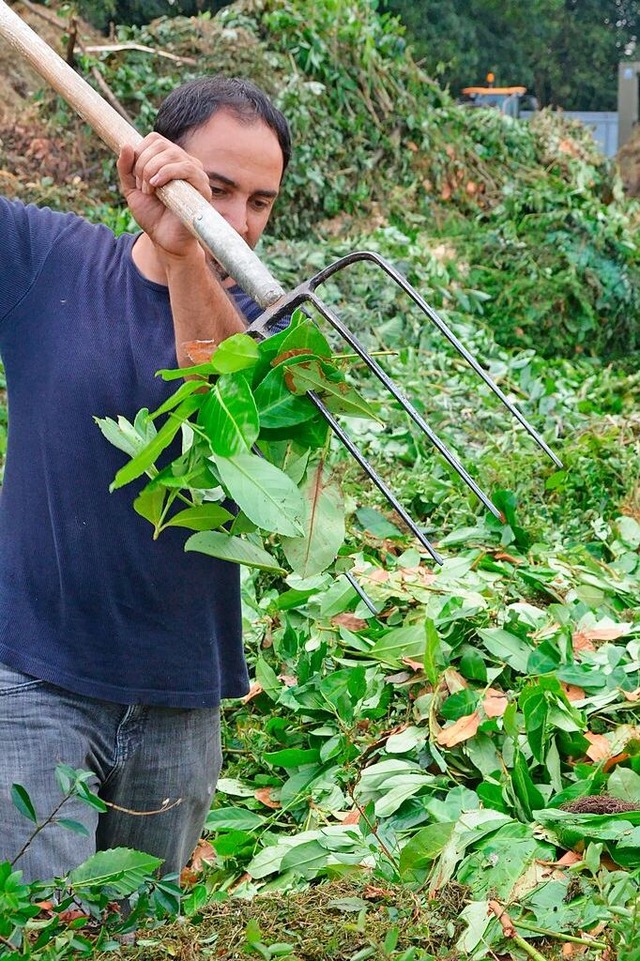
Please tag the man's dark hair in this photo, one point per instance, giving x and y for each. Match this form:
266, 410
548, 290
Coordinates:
191, 105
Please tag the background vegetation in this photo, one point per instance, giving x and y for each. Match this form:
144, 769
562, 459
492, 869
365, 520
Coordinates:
566, 52
402, 778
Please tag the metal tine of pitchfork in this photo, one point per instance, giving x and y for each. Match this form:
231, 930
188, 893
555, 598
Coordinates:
374, 476
305, 292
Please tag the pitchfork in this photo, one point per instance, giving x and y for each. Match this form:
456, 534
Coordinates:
249, 272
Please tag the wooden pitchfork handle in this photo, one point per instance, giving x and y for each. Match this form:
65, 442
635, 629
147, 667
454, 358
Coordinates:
212, 230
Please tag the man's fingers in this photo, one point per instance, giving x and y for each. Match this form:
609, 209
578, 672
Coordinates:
158, 161
124, 166
180, 170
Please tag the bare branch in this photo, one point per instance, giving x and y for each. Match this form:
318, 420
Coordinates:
117, 47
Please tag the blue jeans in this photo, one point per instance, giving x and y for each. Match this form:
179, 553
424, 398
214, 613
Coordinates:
143, 758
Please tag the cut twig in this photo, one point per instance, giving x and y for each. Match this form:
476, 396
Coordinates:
142, 48
143, 814
570, 938
509, 931
107, 47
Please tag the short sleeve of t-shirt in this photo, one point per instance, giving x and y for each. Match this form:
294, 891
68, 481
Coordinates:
23, 258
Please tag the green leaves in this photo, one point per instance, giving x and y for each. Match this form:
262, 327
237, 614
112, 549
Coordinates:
545, 707
247, 399
279, 408
230, 417
22, 801
237, 550
319, 377
130, 438
120, 870
267, 496
400, 643
146, 457
499, 861
238, 352
323, 526
619, 832
424, 847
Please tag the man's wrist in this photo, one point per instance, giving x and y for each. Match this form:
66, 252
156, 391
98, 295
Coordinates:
191, 255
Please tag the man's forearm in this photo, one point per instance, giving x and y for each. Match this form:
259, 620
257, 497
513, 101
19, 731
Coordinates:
201, 308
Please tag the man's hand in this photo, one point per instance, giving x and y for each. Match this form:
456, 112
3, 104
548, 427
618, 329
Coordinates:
152, 164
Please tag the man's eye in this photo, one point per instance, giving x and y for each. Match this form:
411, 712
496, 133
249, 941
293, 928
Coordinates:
217, 191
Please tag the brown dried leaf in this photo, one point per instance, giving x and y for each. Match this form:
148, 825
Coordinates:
378, 576
353, 817
461, 730
288, 354
400, 678
616, 759
631, 695
414, 665
454, 681
569, 858
495, 703
254, 691
188, 878
502, 556
238, 882
581, 642
420, 574
568, 147
599, 747
288, 680
350, 621
72, 914
537, 873
199, 351
263, 794
372, 893
606, 632
573, 692
204, 854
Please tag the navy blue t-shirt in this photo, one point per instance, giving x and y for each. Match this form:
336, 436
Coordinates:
88, 600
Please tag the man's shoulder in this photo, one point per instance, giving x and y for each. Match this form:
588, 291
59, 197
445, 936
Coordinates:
18, 210
17, 216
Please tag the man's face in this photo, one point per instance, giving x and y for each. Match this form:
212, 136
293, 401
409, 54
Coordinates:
245, 165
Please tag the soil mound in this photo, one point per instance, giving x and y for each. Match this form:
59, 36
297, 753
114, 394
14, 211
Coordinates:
19, 83
28, 146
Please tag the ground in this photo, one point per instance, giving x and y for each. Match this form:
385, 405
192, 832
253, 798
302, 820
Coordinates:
28, 148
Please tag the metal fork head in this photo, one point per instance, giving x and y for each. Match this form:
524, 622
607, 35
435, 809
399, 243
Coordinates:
305, 293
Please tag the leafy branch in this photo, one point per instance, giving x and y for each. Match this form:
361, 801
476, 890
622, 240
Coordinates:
251, 461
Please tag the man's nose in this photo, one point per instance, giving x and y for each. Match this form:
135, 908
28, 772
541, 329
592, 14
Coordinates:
235, 213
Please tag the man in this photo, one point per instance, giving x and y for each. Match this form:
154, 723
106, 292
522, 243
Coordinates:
115, 650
